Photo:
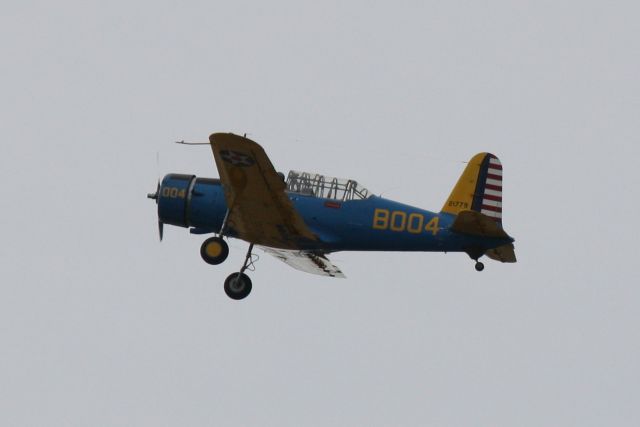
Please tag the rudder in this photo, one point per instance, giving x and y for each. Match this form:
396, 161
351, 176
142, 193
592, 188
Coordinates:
479, 188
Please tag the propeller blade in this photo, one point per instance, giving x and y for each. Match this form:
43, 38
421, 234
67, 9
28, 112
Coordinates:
156, 196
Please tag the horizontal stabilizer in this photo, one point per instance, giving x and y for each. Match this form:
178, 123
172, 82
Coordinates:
504, 253
477, 224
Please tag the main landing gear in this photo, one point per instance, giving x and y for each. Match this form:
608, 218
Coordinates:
214, 250
238, 285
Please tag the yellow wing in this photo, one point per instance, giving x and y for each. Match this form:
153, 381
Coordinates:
260, 211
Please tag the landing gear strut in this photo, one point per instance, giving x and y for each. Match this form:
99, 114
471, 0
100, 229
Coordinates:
238, 285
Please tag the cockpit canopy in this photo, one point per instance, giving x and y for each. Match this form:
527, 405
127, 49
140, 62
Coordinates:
328, 187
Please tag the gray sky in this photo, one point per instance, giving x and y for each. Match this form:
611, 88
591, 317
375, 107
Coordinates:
101, 325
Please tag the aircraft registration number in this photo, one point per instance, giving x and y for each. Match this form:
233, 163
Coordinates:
458, 204
383, 219
174, 193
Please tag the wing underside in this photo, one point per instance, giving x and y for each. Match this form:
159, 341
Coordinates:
309, 262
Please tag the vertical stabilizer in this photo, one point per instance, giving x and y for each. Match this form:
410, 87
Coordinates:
479, 188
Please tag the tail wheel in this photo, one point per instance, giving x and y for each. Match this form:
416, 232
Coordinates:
479, 266
237, 286
214, 250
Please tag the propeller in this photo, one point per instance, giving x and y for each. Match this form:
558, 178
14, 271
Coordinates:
155, 197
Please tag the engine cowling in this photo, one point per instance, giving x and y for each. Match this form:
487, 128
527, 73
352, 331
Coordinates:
188, 201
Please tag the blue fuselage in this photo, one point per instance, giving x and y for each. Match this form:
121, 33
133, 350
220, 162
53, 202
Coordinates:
372, 224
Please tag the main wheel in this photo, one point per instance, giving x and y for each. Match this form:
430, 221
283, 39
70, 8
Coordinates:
479, 266
214, 250
237, 286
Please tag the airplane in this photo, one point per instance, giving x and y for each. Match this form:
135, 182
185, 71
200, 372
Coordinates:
302, 218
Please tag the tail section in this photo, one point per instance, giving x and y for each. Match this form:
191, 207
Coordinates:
479, 188
476, 200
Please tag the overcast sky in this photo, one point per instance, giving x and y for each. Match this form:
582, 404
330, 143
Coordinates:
102, 325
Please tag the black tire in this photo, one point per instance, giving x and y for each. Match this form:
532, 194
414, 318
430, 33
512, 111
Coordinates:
237, 288
214, 250
479, 266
